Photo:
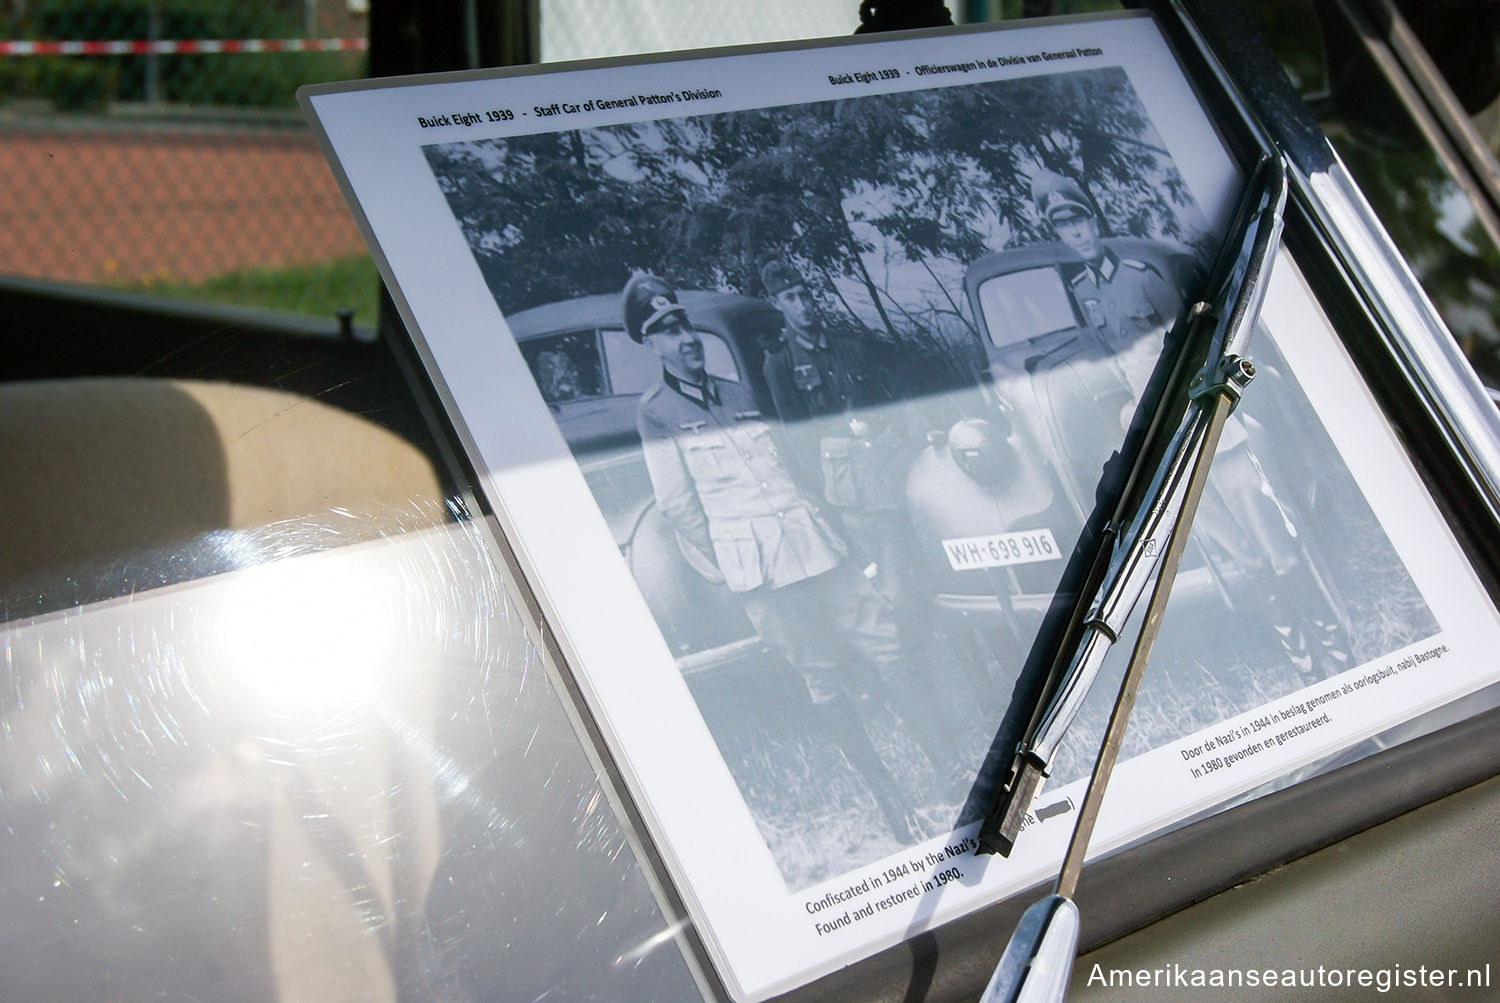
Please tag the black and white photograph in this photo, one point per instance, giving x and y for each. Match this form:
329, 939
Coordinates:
798, 385
848, 380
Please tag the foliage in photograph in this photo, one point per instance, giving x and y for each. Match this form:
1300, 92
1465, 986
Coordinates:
881, 202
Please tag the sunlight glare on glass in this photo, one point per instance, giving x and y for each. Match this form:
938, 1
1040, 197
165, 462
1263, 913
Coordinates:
306, 634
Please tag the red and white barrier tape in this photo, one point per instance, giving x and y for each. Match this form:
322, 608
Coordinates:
181, 45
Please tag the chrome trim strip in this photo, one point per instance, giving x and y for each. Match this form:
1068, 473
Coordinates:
1450, 392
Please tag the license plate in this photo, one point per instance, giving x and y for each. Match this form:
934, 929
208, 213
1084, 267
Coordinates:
1002, 549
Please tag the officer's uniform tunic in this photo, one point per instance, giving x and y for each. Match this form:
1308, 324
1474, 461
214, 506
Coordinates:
1124, 299
811, 377
720, 480
823, 393
845, 443
719, 477
1240, 522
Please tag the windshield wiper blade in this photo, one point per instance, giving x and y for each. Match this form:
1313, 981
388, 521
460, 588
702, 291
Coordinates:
1129, 551
1039, 958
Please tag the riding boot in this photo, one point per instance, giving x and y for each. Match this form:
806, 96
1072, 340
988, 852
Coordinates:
922, 715
1310, 633
845, 728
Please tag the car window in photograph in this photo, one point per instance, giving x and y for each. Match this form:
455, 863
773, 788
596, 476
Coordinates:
634, 369
567, 366
1024, 305
717, 358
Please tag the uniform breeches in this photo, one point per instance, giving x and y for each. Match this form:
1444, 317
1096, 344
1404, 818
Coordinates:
815, 624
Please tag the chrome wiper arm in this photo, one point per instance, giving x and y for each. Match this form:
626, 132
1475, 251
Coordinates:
1039, 958
1132, 538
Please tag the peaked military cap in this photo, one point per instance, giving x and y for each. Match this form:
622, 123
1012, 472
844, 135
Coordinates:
777, 275
1059, 199
648, 302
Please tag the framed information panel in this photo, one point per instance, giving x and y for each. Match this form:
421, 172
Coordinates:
794, 378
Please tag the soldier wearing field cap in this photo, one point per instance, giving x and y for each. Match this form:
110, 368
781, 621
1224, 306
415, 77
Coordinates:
1122, 297
838, 418
719, 477
1241, 522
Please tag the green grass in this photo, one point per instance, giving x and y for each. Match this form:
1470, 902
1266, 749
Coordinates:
317, 290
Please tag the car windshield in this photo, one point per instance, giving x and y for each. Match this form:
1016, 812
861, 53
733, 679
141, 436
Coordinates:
1022, 305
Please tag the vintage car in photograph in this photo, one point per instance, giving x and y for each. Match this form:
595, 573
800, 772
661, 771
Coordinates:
1028, 455
999, 499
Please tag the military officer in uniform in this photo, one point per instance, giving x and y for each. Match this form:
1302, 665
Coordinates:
721, 481
1130, 304
846, 439
1122, 297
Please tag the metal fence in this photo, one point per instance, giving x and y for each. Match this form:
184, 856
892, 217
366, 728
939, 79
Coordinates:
156, 145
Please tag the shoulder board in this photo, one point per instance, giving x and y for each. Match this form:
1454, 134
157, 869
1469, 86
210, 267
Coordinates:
747, 415
1079, 276
1140, 266
652, 392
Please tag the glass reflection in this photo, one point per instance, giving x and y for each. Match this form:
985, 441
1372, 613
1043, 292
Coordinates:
305, 637
333, 774
1414, 192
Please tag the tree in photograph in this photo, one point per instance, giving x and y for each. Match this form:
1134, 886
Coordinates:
849, 189
1085, 125
545, 221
